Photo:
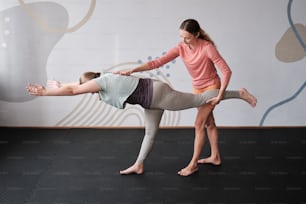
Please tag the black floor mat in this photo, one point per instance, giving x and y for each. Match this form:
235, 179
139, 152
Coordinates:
81, 165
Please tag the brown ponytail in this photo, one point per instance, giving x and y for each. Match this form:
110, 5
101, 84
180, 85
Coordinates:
87, 76
192, 26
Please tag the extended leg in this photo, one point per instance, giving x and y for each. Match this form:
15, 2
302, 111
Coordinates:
165, 97
152, 121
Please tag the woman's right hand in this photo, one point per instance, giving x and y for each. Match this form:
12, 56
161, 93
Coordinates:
123, 72
214, 101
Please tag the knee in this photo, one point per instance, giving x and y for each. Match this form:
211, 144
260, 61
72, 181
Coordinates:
200, 122
202, 118
199, 125
210, 123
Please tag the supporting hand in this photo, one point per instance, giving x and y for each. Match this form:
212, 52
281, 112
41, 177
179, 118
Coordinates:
214, 101
123, 72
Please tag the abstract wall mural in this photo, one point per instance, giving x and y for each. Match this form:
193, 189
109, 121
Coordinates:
290, 48
26, 47
60, 39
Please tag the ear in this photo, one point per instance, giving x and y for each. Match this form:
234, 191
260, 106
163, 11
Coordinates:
197, 35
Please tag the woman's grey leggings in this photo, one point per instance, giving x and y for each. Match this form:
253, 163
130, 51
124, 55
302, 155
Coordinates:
166, 98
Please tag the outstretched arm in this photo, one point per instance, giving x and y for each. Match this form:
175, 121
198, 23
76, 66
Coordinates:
66, 90
58, 84
153, 64
143, 67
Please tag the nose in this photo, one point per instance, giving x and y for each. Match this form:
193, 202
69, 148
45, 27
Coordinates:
184, 40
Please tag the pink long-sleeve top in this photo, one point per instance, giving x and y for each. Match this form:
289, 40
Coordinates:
201, 63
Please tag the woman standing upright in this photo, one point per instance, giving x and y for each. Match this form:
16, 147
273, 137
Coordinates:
201, 58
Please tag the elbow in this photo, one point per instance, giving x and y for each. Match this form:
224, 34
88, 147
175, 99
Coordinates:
227, 76
152, 65
228, 73
72, 92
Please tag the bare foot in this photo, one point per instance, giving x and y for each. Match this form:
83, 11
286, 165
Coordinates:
210, 160
135, 169
187, 171
248, 97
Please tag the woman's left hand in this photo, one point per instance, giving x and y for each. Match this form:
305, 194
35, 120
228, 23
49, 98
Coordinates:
214, 101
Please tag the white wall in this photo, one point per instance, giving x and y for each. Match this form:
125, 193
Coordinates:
60, 39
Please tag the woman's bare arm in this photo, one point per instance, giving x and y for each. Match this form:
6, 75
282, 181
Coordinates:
68, 89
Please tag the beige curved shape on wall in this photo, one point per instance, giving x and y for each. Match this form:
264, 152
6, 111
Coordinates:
47, 28
288, 48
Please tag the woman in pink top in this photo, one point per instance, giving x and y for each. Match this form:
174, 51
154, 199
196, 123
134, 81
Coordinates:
200, 56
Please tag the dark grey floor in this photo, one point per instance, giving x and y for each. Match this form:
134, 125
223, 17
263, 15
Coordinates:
81, 166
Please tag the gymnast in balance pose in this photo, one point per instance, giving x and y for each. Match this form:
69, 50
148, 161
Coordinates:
153, 95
